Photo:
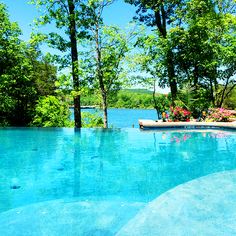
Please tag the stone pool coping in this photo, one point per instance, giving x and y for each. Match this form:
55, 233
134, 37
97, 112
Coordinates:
152, 124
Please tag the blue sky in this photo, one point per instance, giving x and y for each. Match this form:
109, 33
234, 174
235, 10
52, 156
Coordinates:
20, 11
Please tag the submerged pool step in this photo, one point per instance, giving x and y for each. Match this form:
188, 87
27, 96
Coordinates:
68, 217
202, 207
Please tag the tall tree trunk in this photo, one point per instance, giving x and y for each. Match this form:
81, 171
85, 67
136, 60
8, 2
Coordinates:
104, 106
171, 76
195, 76
74, 60
212, 92
100, 77
155, 101
160, 20
225, 93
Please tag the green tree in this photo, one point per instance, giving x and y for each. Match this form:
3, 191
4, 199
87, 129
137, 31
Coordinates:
161, 102
230, 101
45, 74
24, 74
70, 16
161, 15
204, 49
107, 51
91, 120
194, 44
52, 112
194, 99
17, 92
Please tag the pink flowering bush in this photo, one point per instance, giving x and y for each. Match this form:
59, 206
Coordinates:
179, 114
218, 114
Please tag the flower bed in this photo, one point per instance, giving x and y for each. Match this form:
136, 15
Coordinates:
218, 115
179, 114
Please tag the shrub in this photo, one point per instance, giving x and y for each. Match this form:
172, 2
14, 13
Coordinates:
218, 114
90, 120
179, 114
52, 112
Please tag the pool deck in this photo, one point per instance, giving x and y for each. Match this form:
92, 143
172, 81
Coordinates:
152, 124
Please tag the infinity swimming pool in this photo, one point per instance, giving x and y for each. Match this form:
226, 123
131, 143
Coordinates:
96, 165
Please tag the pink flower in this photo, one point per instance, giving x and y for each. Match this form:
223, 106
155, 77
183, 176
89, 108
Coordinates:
219, 114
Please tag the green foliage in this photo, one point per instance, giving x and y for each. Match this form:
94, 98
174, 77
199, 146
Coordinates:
194, 44
72, 18
17, 93
104, 55
157, 57
141, 91
230, 101
52, 112
204, 48
45, 77
195, 100
90, 120
90, 99
24, 75
151, 58
161, 103
129, 98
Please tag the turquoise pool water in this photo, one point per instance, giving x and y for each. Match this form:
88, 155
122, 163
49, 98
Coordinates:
38, 165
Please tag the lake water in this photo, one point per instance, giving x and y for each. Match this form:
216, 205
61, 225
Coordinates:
124, 118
